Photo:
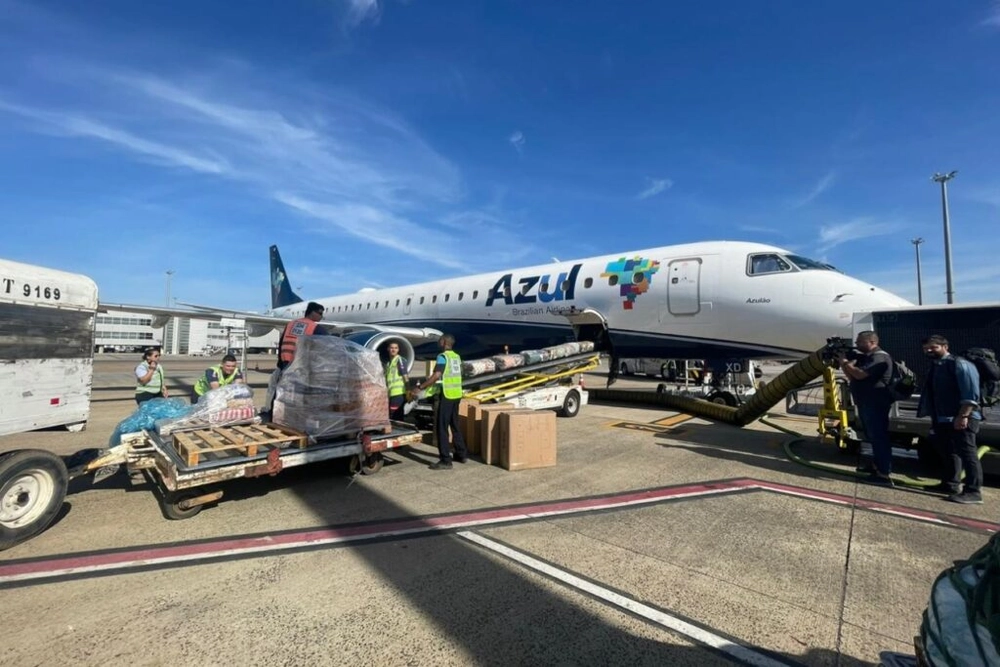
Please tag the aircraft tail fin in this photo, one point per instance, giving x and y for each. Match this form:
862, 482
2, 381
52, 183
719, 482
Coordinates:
281, 289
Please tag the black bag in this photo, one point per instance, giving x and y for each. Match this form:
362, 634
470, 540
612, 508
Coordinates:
902, 383
985, 361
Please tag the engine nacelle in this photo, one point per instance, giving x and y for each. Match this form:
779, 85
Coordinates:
379, 341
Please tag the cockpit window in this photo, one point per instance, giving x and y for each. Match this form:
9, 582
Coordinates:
768, 263
807, 264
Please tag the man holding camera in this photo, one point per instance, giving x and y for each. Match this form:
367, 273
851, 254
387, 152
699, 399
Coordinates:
869, 370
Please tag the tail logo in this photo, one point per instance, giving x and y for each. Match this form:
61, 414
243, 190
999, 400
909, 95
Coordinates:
632, 276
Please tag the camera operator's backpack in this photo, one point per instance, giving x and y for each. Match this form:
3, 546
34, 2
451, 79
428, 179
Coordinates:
985, 361
902, 383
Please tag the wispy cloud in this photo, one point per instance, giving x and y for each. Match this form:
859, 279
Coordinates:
655, 186
819, 188
359, 11
70, 125
516, 140
368, 175
831, 236
993, 19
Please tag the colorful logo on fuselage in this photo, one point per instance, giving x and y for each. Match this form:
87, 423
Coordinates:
632, 276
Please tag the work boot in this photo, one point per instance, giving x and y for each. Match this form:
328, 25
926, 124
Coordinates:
967, 498
440, 465
880, 480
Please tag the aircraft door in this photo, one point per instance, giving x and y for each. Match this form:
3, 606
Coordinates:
684, 286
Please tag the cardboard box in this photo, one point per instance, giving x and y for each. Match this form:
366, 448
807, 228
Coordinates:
472, 427
527, 439
488, 432
464, 407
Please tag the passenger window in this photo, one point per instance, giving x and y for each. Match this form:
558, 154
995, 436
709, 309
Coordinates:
613, 279
475, 294
408, 300
446, 297
460, 295
588, 282
421, 301
544, 288
768, 263
434, 299
397, 303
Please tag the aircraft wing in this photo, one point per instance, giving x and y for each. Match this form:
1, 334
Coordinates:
161, 314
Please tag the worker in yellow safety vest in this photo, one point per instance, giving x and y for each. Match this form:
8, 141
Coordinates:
224, 374
447, 369
396, 380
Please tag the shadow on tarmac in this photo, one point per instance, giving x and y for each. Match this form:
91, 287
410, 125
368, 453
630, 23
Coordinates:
494, 610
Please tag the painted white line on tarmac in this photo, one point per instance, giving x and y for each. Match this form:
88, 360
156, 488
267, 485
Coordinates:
739, 652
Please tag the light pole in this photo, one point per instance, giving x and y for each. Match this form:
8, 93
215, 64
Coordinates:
920, 290
170, 274
943, 180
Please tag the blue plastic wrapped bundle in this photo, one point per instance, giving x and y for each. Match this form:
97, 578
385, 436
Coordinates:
536, 356
147, 414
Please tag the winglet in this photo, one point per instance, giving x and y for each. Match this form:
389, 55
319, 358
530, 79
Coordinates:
281, 290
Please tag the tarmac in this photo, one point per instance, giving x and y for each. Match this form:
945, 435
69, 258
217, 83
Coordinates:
678, 543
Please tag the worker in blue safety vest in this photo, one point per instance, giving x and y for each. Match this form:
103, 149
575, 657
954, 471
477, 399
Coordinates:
447, 369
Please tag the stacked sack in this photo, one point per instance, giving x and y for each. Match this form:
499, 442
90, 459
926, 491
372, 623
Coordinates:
333, 387
226, 406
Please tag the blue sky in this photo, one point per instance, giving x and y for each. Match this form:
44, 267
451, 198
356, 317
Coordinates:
385, 143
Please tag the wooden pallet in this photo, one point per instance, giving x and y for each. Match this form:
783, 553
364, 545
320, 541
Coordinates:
225, 441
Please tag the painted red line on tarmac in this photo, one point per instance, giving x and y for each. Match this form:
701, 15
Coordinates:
143, 557
82, 564
882, 508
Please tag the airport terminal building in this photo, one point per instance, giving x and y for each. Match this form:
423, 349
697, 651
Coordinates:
129, 332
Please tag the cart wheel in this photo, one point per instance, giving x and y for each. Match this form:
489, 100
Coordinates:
366, 466
571, 404
170, 505
32, 488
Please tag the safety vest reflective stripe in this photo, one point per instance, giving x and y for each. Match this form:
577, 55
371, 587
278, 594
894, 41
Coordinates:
394, 378
201, 386
155, 384
451, 380
294, 329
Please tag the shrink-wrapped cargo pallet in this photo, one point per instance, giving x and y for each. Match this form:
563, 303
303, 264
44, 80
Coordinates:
536, 356
333, 387
478, 367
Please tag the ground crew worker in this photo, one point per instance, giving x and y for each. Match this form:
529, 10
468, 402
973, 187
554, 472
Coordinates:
447, 369
224, 374
149, 382
396, 381
307, 325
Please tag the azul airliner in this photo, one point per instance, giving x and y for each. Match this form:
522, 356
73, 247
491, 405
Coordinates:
713, 299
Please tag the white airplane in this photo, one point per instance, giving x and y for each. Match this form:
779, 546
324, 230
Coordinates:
709, 300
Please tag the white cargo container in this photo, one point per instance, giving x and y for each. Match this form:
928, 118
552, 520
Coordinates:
46, 347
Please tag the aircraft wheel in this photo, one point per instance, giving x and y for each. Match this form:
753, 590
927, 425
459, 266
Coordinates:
723, 398
571, 404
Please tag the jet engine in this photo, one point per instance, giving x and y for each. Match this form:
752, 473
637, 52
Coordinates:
379, 341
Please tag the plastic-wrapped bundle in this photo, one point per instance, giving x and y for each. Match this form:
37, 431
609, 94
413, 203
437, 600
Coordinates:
225, 406
586, 346
333, 387
507, 361
475, 367
147, 414
536, 356
960, 626
564, 350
